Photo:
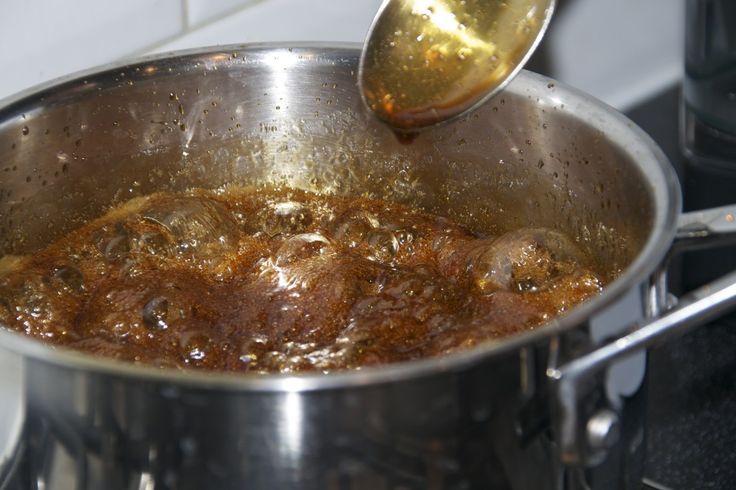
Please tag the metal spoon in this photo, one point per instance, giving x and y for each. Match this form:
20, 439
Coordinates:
428, 61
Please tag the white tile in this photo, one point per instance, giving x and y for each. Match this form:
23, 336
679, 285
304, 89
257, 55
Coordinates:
43, 39
199, 11
286, 20
618, 51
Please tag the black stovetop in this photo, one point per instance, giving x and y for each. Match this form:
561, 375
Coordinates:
692, 393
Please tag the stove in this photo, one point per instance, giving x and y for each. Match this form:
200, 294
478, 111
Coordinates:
692, 380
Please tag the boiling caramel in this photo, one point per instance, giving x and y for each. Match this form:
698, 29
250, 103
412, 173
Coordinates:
284, 281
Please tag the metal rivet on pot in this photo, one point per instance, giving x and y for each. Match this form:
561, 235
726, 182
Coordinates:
603, 430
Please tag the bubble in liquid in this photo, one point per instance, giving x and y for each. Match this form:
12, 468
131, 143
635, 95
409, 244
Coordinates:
114, 244
154, 243
155, 313
248, 358
196, 346
411, 285
303, 246
70, 276
40, 305
303, 274
404, 236
352, 226
252, 349
383, 245
259, 339
192, 221
523, 260
273, 361
285, 217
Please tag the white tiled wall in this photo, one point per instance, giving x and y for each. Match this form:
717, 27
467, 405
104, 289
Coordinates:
618, 50
43, 39
285, 20
201, 11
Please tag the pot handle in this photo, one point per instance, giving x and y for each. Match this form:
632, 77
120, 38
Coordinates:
585, 432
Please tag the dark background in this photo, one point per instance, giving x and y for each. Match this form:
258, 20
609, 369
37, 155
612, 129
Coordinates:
691, 413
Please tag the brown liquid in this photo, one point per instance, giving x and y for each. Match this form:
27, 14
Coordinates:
429, 60
284, 281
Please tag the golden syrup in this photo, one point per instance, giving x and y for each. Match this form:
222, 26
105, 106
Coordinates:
426, 61
285, 281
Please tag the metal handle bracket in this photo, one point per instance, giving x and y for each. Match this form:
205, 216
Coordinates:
583, 438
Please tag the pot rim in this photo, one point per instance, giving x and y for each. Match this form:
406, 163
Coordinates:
660, 178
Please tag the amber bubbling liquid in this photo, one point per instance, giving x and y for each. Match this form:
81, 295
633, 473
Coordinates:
284, 280
428, 60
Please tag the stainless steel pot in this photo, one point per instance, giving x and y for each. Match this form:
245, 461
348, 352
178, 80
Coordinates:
539, 410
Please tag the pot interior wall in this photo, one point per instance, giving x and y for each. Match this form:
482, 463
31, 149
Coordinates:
269, 117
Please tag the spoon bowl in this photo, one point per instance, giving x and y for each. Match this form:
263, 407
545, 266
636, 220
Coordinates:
428, 61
